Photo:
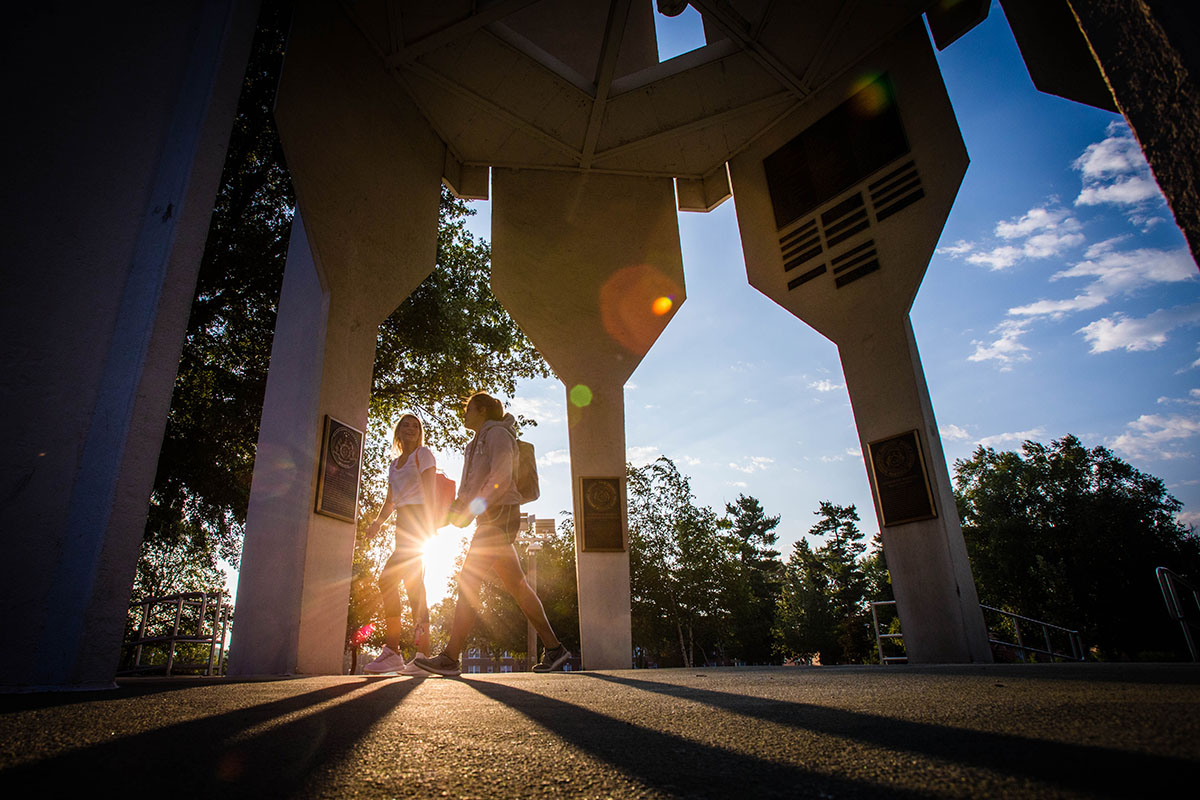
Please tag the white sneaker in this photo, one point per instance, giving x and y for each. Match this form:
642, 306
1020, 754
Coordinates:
412, 668
389, 661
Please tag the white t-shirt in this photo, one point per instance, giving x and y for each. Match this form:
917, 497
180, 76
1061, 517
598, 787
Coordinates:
405, 481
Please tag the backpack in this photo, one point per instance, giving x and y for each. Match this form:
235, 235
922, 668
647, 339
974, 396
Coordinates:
525, 476
526, 473
444, 489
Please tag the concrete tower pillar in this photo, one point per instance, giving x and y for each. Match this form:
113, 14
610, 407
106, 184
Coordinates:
840, 208
589, 266
116, 127
367, 171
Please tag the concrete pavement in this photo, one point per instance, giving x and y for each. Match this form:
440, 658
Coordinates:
1058, 730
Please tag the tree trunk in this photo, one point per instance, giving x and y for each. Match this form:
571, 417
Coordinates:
683, 650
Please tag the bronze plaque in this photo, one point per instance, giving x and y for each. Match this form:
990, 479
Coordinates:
900, 479
341, 459
602, 525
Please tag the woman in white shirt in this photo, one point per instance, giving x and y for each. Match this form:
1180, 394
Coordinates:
410, 488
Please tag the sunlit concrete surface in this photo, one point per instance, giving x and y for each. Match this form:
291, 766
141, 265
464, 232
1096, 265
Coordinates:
918, 731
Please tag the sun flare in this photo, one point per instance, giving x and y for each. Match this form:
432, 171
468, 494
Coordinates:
440, 553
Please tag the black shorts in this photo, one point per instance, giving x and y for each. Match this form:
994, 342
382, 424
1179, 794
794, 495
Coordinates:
497, 526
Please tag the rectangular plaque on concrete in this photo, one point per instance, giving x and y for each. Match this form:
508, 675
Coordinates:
602, 526
901, 480
341, 459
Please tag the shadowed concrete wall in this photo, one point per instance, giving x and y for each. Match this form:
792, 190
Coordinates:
118, 118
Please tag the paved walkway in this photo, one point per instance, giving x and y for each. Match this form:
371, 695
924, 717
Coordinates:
824, 732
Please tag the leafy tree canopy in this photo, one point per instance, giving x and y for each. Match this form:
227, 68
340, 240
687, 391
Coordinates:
1072, 536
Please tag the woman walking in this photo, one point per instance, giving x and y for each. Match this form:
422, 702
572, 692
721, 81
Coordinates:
410, 493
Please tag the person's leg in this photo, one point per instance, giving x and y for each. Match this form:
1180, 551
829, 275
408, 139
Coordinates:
393, 609
414, 585
479, 560
508, 568
411, 536
389, 660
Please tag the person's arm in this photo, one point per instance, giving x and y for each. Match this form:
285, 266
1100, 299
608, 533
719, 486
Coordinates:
384, 512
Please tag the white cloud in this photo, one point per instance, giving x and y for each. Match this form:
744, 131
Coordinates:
1189, 518
753, 464
854, 452
1193, 399
953, 433
1154, 436
1056, 308
737, 484
997, 258
1037, 220
1132, 334
1114, 273
643, 454
1039, 233
1117, 154
690, 461
1124, 191
554, 457
959, 248
1114, 172
825, 385
542, 409
1017, 437
1007, 349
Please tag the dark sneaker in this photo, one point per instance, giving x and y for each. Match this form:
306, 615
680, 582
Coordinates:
552, 659
439, 665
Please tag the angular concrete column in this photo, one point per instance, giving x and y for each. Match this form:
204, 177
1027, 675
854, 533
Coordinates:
927, 559
589, 267
367, 171
118, 119
840, 208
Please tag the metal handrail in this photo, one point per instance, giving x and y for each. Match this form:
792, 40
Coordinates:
879, 637
1168, 581
211, 608
1076, 643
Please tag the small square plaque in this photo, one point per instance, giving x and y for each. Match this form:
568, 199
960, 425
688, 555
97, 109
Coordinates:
341, 459
602, 525
900, 480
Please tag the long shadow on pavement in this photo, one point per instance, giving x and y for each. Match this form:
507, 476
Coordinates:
223, 755
1098, 770
672, 764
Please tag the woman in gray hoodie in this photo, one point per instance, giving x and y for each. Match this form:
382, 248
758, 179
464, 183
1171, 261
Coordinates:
488, 494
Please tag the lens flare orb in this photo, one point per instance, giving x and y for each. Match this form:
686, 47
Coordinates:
581, 396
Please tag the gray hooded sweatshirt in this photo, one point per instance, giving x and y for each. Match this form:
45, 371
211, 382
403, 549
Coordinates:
488, 468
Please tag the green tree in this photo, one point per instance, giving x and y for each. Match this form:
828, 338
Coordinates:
822, 607
1072, 536
754, 590
679, 566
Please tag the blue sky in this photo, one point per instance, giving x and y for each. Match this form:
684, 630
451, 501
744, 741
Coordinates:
1062, 299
